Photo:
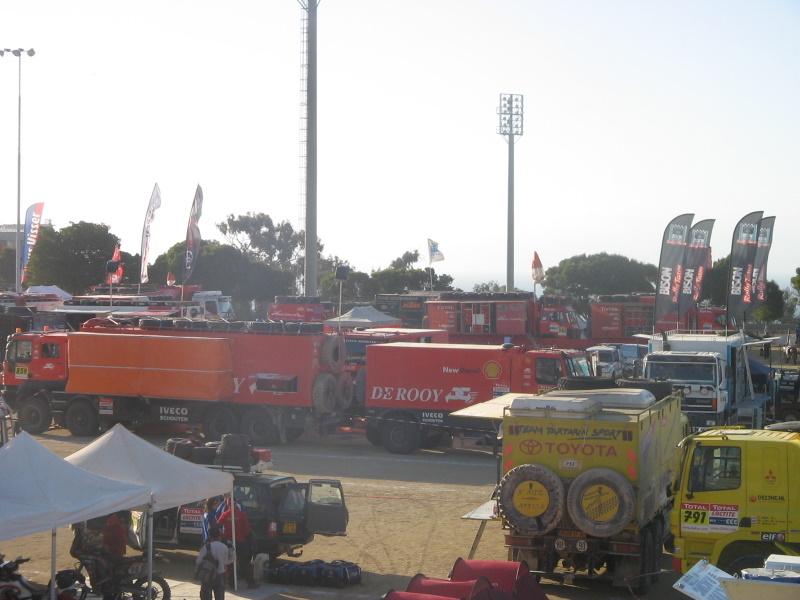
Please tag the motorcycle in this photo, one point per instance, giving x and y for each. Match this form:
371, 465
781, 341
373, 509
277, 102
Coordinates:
70, 583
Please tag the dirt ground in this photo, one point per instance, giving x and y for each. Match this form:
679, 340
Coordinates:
405, 517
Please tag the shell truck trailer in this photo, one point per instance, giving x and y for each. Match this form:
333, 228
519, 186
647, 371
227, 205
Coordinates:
266, 384
412, 388
586, 485
713, 372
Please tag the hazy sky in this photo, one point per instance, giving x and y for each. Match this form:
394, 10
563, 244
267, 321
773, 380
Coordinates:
635, 112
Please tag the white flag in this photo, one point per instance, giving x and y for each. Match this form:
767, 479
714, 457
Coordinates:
155, 202
433, 251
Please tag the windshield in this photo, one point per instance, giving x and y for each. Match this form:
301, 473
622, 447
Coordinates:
629, 351
580, 367
681, 371
605, 356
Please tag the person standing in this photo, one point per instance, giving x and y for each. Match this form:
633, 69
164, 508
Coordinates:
244, 551
219, 552
210, 516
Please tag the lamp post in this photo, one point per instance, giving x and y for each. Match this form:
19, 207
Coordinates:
18, 52
510, 124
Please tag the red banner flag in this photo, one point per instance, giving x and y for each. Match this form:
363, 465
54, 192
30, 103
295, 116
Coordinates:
537, 271
115, 275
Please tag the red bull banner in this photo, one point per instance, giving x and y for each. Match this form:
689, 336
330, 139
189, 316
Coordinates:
670, 267
697, 262
743, 256
33, 220
765, 229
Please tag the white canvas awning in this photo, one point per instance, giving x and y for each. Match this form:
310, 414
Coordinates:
124, 456
364, 316
42, 492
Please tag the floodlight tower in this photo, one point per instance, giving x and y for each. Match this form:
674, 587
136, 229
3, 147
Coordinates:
18, 52
510, 124
309, 65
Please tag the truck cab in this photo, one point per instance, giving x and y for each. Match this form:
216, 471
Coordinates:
606, 361
736, 498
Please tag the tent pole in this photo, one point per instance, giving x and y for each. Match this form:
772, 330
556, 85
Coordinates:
53, 564
233, 538
149, 535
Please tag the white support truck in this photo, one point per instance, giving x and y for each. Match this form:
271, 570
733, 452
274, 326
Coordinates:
712, 371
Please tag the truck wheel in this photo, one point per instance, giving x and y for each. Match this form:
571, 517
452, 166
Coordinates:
331, 354
400, 437
323, 393
601, 502
739, 556
257, 424
646, 562
34, 413
218, 421
373, 434
81, 418
293, 434
531, 499
344, 391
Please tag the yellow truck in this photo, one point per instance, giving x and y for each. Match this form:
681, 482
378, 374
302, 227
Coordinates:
587, 484
737, 497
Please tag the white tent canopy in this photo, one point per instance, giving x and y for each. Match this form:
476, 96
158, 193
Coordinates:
122, 455
364, 316
41, 491
49, 289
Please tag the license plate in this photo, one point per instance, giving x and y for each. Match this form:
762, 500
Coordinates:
290, 527
21, 372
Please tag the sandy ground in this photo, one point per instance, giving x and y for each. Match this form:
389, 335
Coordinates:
405, 517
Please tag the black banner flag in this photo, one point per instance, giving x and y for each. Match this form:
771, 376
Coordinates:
696, 264
765, 228
670, 267
193, 235
740, 278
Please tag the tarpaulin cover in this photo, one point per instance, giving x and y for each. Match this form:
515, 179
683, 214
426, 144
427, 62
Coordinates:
42, 491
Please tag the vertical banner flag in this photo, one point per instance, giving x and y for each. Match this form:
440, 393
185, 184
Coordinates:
696, 265
670, 267
33, 220
115, 275
434, 254
193, 235
763, 246
155, 202
537, 271
743, 256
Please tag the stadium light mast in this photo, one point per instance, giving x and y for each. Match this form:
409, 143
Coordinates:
18, 52
509, 124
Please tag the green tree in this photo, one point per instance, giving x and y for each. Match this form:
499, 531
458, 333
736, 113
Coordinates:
73, 258
489, 287
715, 286
772, 308
7, 269
405, 261
584, 275
258, 237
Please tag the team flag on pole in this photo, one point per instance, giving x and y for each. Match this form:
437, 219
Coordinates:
434, 254
193, 235
155, 202
537, 270
115, 277
33, 220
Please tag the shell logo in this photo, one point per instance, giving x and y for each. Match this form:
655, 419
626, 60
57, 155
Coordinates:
492, 369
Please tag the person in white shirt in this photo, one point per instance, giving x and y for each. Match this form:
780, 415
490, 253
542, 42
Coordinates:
220, 552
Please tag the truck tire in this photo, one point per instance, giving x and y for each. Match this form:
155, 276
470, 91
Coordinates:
257, 424
601, 502
324, 393
34, 413
646, 563
180, 447
373, 433
332, 353
744, 555
531, 499
400, 436
360, 386
219, 420
81, 418
344, 391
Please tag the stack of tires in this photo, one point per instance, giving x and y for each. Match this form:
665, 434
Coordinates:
332, 391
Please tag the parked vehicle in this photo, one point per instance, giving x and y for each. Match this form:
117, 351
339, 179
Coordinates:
411, 388
586, 481
6, 423
606, 361
787, 396
713, 372
263, 379
70, 583
736, 497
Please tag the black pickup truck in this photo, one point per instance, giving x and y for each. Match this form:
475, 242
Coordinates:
284, 514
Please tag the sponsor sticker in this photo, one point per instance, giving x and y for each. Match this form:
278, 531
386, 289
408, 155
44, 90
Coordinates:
531, 498
600, 503
708, 517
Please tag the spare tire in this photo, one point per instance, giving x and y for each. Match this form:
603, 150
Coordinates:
331, 355
601, 502
324, 393
531, 499
344, 391
586, 383
659, 389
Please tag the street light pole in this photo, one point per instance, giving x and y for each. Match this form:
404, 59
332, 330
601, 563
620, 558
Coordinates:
510, 124
18, 52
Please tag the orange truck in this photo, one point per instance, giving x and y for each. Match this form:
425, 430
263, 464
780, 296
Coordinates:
227, 377
411, 388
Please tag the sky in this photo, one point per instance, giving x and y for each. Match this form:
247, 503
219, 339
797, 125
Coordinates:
635, 111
